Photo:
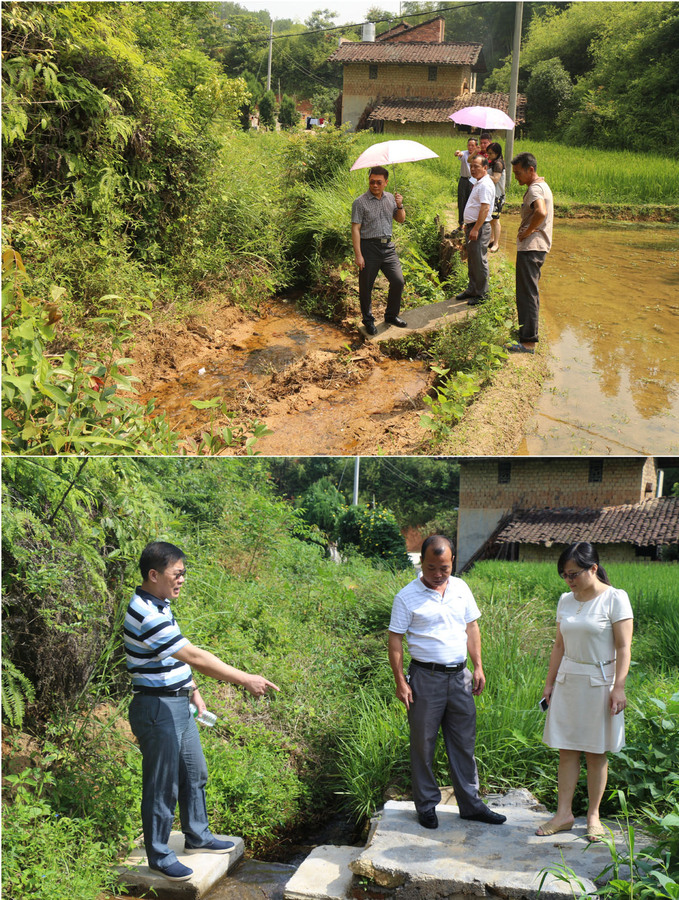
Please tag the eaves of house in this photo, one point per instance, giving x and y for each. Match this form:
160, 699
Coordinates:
651, 523
413, 109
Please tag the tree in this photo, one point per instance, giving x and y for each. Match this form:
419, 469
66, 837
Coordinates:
548, 94
288, 115
267, 110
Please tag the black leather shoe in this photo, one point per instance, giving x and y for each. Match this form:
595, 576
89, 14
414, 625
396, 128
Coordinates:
476, 301
465, 295
370, 327
487, 816
396, 320
428, 819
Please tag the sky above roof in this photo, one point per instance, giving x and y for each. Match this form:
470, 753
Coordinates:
348, 11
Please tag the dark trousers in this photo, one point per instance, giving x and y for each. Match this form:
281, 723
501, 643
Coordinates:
464, 189
477, 260
528, 266
444, 701
379, 257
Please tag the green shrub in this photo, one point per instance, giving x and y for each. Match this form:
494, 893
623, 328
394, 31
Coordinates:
374, 533
63, 403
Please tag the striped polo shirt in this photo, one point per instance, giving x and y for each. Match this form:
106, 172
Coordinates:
434, 625
374, 216
151, 636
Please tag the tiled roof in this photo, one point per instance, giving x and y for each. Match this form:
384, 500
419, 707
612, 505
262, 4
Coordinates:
497, 101
413, 109
448, 53
652, 523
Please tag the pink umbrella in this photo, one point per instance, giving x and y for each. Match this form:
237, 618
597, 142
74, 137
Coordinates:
485, 117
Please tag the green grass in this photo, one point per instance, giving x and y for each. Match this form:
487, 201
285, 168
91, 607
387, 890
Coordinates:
575, 174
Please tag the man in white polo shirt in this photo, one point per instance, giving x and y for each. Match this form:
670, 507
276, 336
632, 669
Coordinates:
477, 216
438, 615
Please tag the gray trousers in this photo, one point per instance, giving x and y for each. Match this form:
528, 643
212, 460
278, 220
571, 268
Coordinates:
528, 266
477, 260
446, 702
379, 256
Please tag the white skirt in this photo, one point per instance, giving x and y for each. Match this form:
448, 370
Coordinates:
579, 715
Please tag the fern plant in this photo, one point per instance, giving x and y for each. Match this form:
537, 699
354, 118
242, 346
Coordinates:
17, 691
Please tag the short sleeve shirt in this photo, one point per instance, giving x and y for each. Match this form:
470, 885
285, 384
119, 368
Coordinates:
435, 625
587, 628
151, 635
465, 171
542, 238
482, 192
374, 216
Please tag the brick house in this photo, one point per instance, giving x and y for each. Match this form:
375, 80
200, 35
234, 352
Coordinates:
411, 79
531, 509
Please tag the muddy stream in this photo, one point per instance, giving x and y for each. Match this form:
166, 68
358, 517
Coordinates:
610, 316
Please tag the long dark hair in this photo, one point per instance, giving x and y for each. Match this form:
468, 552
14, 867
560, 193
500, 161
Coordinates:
584, 555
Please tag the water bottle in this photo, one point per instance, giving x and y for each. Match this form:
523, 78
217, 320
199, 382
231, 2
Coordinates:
207, 718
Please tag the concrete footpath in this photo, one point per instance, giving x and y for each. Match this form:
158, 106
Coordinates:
422, 319
456, 861
208, 868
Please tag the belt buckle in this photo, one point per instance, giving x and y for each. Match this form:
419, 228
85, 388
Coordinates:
384, 240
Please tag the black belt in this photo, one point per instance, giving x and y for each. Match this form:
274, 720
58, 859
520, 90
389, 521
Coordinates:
379, 240
439, 667
154, 692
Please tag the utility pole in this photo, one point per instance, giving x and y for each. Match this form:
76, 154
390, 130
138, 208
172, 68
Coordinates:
356, 468
268, 74
513, 88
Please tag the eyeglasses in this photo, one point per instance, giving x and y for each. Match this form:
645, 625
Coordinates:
571, 576
176, 575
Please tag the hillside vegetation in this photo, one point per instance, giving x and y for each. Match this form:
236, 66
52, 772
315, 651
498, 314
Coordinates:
261, 594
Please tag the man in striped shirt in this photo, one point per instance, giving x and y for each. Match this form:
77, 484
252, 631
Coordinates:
159, 659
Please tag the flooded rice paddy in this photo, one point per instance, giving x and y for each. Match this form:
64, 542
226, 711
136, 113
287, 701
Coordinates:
610, 307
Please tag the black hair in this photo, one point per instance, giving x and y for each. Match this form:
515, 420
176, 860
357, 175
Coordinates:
485, 134
379, 170
158, 555
482, 159
497, 150
438, 543
525, 161
583, 554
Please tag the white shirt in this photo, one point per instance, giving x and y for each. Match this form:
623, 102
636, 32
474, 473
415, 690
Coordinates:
435, 625
482, 192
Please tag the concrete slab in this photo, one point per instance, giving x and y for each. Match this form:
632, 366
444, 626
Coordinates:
463, 859
208, 868
422, 319
324, 875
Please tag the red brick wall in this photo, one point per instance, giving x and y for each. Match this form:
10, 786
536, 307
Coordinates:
555, 482
428, 32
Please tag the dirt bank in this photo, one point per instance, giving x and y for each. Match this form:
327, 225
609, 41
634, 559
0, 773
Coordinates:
332, 394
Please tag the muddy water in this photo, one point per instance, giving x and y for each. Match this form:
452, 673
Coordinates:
610, 304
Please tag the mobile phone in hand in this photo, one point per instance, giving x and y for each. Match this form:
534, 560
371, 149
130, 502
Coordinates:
544, 705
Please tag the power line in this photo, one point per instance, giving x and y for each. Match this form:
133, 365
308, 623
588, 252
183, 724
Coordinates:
281, 37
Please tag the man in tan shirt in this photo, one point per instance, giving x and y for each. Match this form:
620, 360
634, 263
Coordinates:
533, 242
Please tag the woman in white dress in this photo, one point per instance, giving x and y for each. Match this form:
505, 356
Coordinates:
585, 686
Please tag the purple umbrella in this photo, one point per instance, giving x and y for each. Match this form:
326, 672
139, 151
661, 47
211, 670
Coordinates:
485, 117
